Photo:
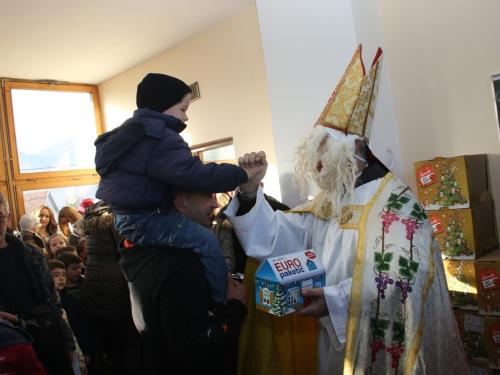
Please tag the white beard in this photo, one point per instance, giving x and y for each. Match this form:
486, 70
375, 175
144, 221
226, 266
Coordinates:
337, 177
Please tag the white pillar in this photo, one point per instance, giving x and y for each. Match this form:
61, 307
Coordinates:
307, 45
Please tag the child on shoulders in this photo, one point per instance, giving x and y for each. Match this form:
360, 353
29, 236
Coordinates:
145, 162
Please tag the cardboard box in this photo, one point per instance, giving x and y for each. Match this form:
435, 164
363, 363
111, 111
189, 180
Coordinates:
279, 281
472, 327
479, 368
459, 182
466, 233
488, 283
493, 341
461, 280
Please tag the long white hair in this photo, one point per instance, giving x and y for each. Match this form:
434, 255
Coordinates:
337, 177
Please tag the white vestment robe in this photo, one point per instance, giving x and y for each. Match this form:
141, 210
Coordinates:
265, 233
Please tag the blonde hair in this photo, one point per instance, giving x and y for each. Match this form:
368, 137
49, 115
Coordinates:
72, 215
55, 235
339, 177
52, 225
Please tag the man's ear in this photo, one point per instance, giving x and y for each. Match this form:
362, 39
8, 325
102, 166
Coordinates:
180, 203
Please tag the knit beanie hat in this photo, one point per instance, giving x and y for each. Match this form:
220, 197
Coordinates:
84, 204
159, 92
27, 222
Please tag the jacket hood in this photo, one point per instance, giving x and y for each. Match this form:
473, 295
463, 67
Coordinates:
97, 217
111, 145
135, 258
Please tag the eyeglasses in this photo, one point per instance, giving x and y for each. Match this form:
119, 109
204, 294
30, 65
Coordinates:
3, 217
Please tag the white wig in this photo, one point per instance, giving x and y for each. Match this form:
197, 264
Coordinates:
337, 177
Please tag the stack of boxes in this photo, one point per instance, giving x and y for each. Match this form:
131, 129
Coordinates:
457, 196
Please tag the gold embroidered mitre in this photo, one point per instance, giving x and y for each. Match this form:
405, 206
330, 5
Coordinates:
351, 106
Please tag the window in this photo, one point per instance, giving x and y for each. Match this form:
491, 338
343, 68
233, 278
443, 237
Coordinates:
219, 151
56, 198
266, 297
293, 296
65, 130
47, 140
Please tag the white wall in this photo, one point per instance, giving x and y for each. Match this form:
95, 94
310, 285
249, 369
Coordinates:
441, 56
435, 94
307, 45
227, 62
384, 141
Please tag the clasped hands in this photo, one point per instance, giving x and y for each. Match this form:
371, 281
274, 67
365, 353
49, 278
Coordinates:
255, 164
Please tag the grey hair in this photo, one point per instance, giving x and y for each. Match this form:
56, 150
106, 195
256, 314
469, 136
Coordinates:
4, 202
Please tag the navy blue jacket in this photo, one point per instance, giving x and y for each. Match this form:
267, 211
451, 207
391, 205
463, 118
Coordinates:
144, 162
76, 319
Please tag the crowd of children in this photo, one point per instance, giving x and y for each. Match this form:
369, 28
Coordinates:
143, 219
67, 267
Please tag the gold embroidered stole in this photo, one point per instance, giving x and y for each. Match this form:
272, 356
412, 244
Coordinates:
393, 272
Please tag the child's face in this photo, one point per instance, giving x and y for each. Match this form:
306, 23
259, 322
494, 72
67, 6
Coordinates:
59, 275
74, 272
180, 109
56, 243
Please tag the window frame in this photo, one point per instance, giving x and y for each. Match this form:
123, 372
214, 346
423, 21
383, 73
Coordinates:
13, 183
11, 127
198, 150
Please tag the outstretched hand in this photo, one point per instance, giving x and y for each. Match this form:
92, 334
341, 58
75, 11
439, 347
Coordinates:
236, 290
255, 164
317, 308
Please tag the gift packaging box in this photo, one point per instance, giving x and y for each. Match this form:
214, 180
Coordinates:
493, 341
472, 327
458, 182
479, 368
488, 283
280, 280
461, 280
466, 233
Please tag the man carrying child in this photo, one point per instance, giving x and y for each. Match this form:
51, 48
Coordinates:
171, 303
145, 162
185, 305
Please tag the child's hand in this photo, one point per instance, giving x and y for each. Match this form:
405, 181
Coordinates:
255, 164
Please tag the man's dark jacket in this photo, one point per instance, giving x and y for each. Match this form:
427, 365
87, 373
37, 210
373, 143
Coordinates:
31, 265
144, 162
170, 303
